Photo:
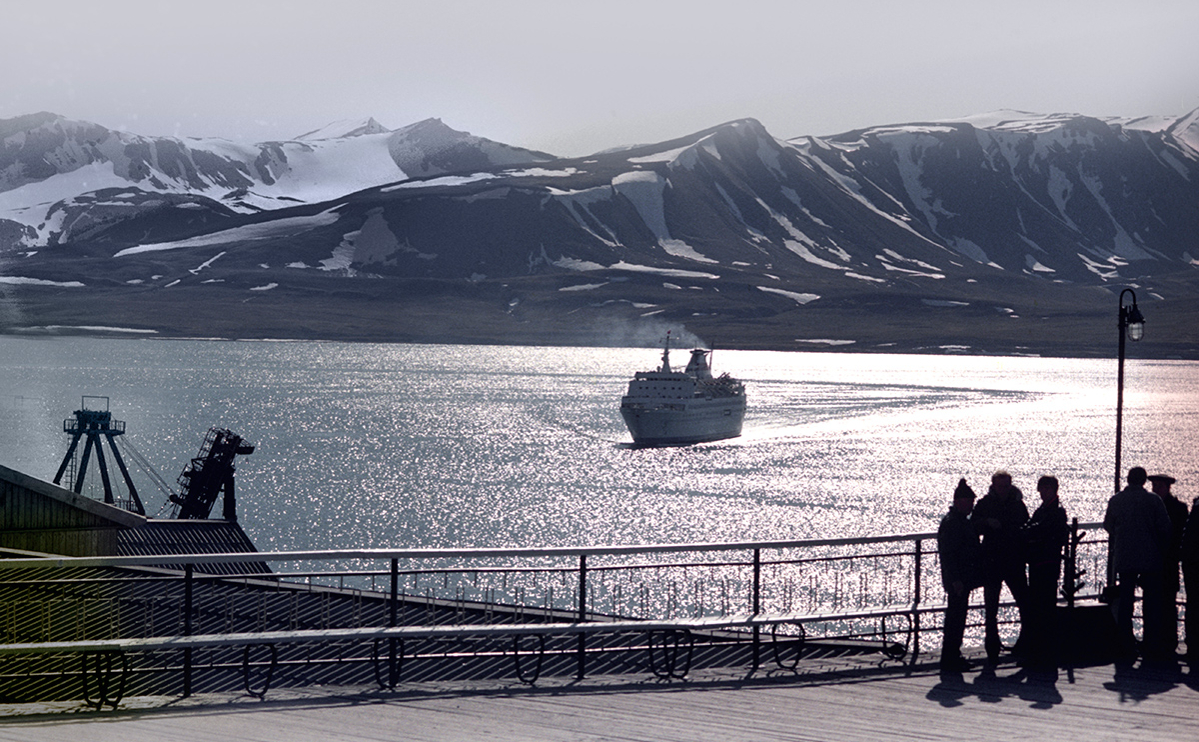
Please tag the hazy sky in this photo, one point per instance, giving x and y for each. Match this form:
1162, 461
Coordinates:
572, 78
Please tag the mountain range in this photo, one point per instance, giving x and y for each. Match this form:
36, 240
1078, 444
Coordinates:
1002, 233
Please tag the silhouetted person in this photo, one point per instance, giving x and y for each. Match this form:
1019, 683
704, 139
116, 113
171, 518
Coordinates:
1177, 510
1190, 575
1139, 535
958, 549
998, 517
1045, 534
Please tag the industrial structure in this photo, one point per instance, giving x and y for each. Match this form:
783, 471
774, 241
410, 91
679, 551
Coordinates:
96, 426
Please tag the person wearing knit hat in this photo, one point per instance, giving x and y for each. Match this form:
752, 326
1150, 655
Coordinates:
957, 545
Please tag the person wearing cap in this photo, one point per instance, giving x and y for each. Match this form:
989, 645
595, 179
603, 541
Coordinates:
1138, 537
1045, 533
957, 546
998, 518
1177, 510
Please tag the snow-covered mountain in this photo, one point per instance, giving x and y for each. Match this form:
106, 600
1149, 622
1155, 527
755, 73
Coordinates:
1060, 196
1008, 232
65, 181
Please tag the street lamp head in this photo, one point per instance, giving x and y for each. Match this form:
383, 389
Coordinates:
1136, 324
1136, 330
1132, 322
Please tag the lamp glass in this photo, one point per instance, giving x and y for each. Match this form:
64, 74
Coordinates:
1136, 331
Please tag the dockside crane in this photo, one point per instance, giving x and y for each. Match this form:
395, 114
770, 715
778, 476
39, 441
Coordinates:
209, 475
96, 425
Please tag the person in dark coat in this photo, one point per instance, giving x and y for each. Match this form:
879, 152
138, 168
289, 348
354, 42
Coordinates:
1177, 510
1189, 553
998, 518
1139, 536
1045, 533
958, 548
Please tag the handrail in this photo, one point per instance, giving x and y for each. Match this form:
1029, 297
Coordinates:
697, 590
741, 620
462, 553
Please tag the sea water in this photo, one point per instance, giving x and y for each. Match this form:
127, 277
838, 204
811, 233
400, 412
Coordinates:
374, 445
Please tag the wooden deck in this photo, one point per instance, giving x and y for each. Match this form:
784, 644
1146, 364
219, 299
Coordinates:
854, 698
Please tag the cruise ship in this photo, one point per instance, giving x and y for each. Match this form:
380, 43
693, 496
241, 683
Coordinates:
676, 408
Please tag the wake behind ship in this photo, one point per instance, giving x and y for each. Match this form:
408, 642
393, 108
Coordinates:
676, 408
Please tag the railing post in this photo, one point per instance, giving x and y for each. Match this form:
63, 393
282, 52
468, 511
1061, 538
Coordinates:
916, 595
582, 649
393, 603
757, 607
187, 628
1071, 583
392, 621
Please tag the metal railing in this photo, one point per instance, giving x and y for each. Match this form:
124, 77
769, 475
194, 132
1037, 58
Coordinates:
354, 608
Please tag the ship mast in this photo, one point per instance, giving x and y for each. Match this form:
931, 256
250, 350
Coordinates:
666, 355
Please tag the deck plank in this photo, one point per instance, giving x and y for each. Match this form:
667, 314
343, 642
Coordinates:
845, 700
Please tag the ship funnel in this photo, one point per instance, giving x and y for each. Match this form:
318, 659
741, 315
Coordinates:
698, 365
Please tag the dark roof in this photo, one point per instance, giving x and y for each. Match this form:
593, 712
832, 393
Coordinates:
191, 537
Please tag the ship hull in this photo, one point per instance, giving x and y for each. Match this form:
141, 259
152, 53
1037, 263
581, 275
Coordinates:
697, 421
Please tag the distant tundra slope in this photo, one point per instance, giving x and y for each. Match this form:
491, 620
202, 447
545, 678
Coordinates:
1002, 233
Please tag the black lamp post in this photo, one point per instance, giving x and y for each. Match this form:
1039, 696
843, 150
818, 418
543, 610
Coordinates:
1132, 325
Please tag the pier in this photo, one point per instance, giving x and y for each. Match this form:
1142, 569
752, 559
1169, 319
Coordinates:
845, 698
805, 639
433, 642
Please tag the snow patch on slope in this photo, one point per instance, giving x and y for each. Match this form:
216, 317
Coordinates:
444, 180
1186, 130
30, 203
1016, 121
249, 233
345, 129
911, 172
328, 169
1122, 243
372, 243
672, 272
574, 264
850, 186
23, 281
793, 295
1035, 266
666, 156
579, 203
645, 189
802, 245
1060, 189
680, 249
